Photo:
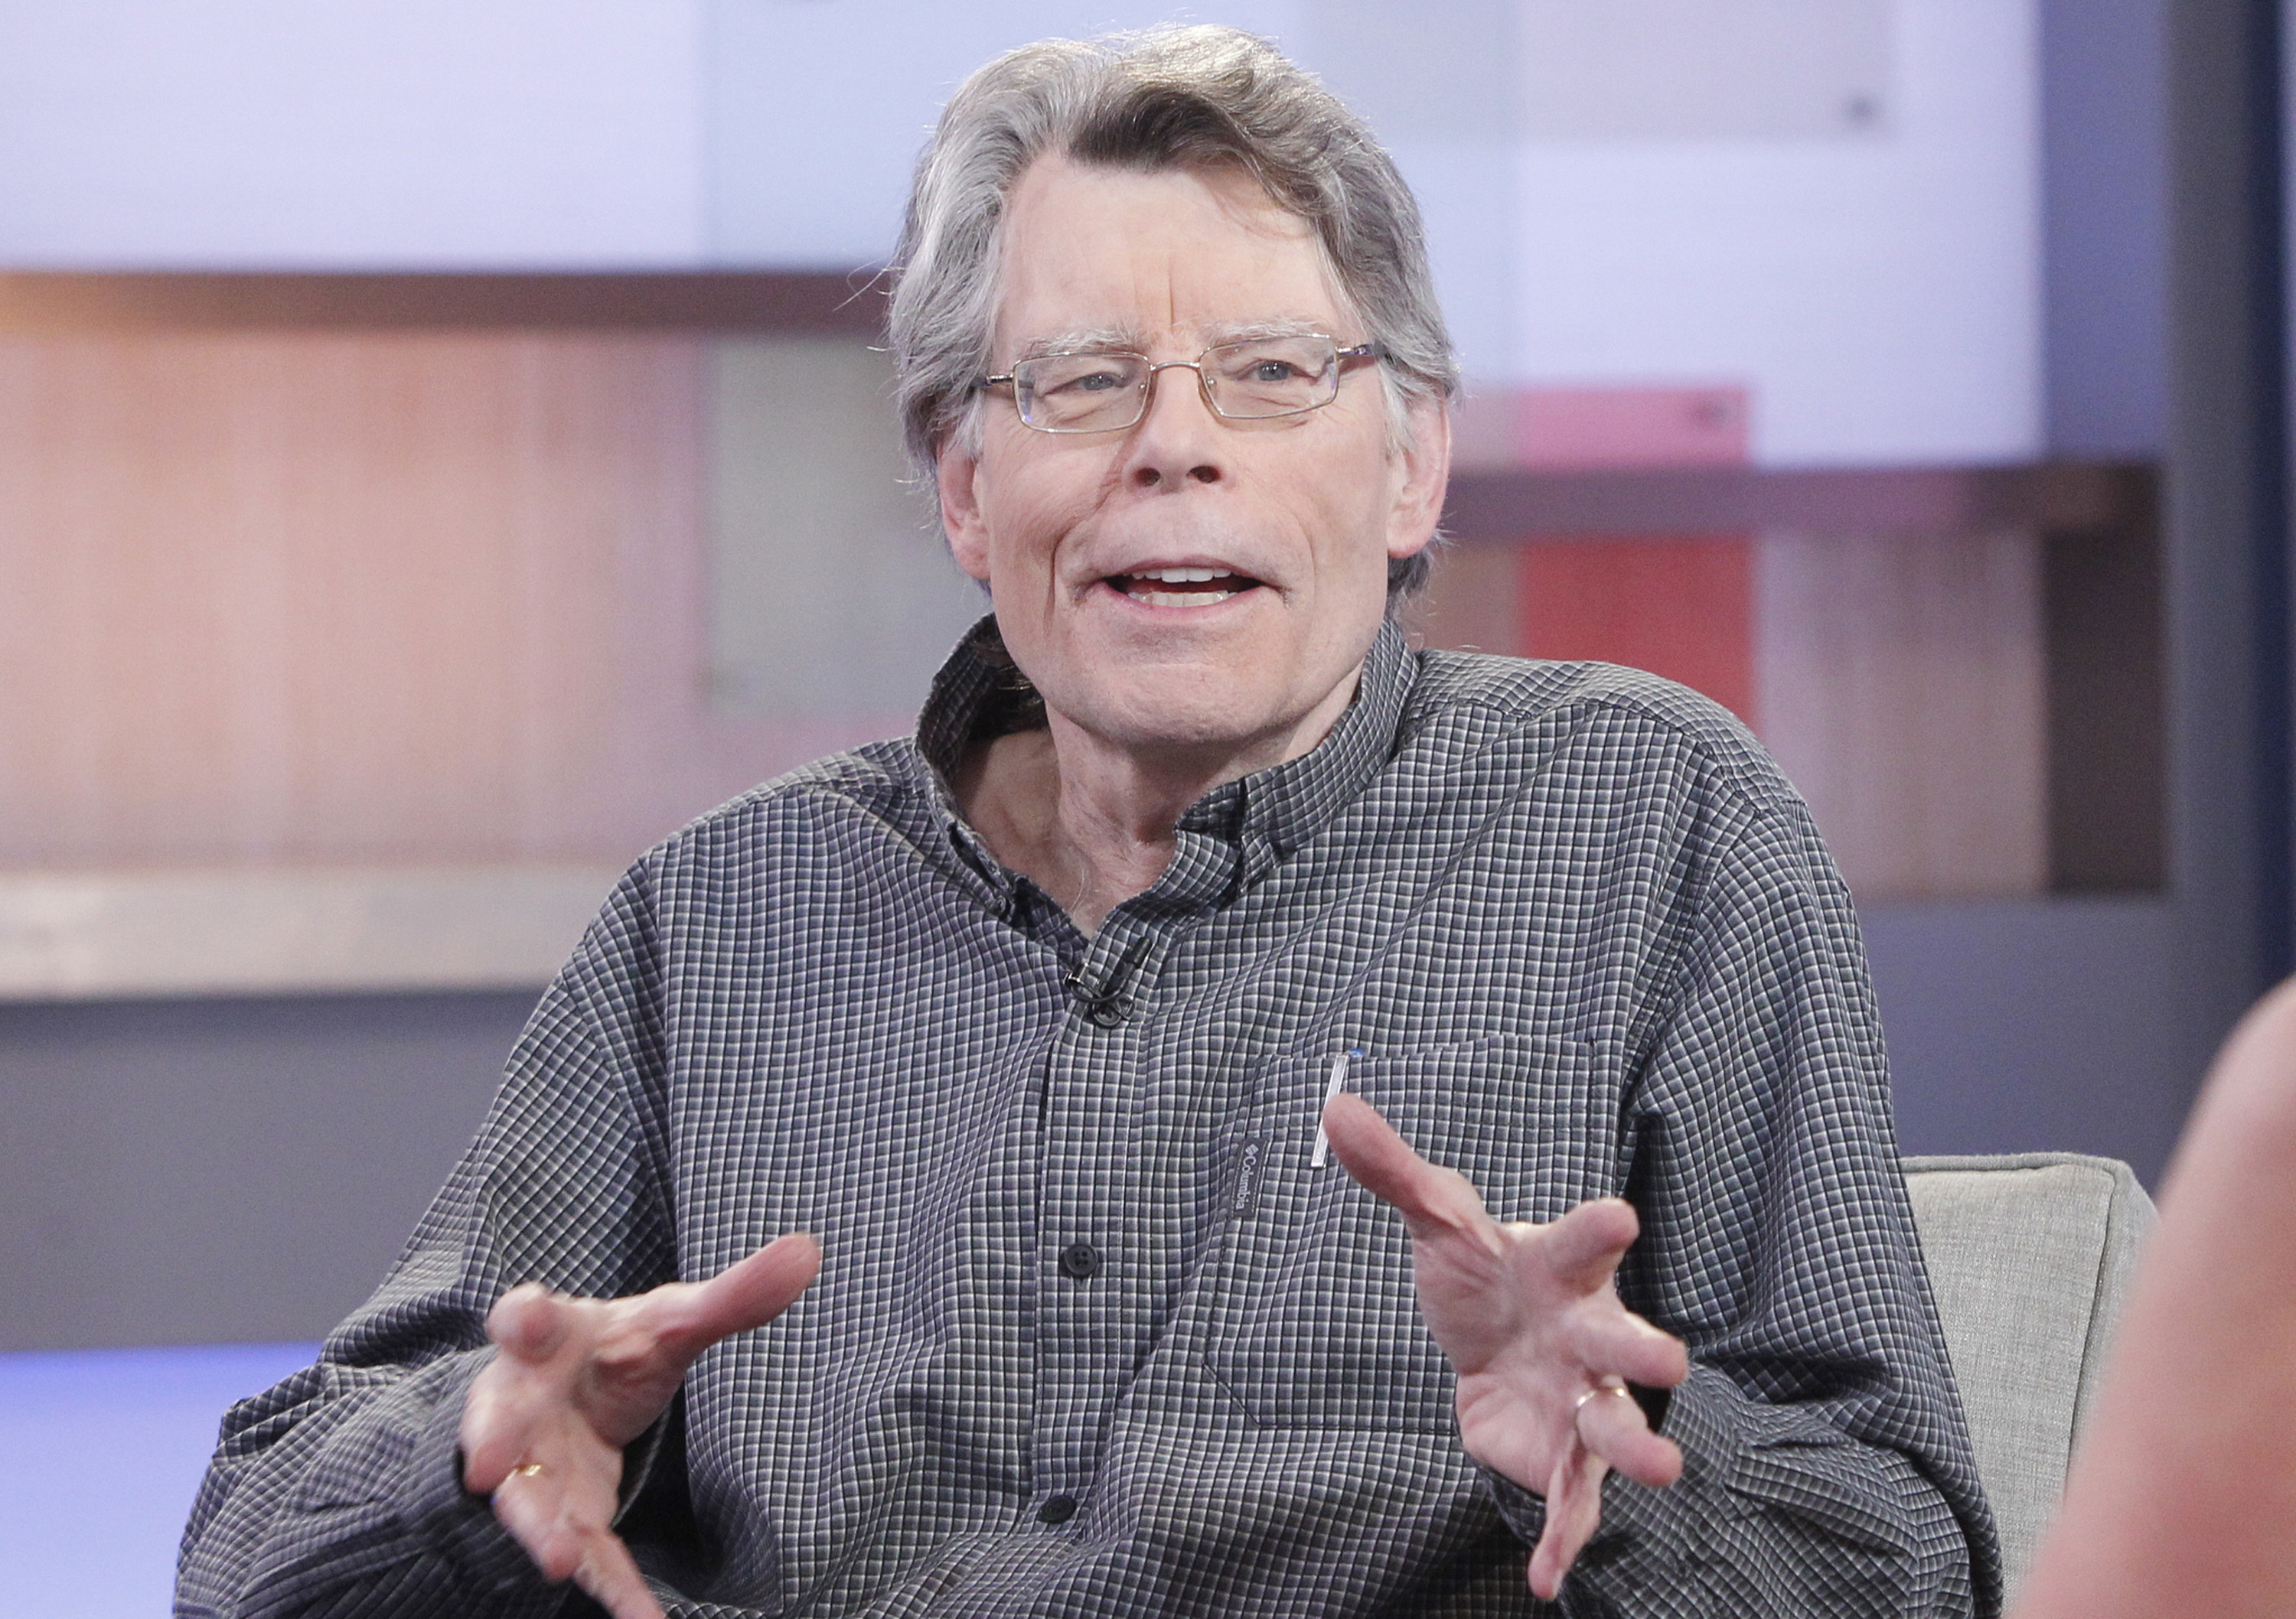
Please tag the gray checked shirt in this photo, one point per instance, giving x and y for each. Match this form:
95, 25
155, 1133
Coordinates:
1094, 1334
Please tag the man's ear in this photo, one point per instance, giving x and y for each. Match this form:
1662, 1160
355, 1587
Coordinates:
957, 474
1422, 475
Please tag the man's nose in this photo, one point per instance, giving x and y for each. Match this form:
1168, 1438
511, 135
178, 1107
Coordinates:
1178, 440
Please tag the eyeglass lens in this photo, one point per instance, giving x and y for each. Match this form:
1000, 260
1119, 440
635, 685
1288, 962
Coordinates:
1083, 393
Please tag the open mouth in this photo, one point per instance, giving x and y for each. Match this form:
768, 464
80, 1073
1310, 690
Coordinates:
1181, 586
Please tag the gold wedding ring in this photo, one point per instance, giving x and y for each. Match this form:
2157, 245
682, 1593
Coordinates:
526, 1469
1609, 1386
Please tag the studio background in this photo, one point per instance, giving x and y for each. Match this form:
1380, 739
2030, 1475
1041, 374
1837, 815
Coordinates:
442, 450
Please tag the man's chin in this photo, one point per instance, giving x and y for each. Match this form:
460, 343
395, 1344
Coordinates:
1200, 696
1187, 712
1191, 710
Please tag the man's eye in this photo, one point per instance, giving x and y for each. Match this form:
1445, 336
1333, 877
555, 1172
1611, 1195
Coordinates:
1085, 382
1273, 370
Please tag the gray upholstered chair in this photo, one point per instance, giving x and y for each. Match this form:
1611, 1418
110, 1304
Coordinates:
2030, 1255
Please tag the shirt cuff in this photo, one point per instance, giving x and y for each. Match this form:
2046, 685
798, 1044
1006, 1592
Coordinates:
443, 1514
400, 1458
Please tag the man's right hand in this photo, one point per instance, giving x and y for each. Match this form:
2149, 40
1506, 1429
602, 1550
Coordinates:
575, 1381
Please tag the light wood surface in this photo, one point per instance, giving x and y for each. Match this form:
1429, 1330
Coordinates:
272, 597
1900, 681
1901, 685
95, 935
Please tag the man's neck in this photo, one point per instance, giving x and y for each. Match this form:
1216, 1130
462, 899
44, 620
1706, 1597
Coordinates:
1093, 822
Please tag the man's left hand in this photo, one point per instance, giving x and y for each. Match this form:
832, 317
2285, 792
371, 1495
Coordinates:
1531, 1319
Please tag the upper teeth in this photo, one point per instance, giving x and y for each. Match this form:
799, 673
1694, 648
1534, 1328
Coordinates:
1183, 576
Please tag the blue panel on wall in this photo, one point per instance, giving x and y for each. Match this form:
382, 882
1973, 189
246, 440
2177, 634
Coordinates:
2049, 1026
100, 1453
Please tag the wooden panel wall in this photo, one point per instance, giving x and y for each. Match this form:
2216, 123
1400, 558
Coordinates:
1902, 685
356, 597
1900, 681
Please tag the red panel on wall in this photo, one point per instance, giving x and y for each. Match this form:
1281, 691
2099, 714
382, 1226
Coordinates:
1679, 606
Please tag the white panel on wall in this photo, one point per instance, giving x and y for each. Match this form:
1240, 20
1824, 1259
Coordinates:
1466, 192
356, 134
1704, 68
1451, 72
1879, 298
1877, 295
817, 111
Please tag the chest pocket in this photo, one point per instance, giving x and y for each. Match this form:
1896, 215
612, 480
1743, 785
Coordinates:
1310, 1318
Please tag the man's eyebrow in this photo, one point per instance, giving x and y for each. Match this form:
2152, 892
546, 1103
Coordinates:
1083, 339
1245, 331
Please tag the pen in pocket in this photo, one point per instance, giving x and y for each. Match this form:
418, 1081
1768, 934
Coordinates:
1331, 1088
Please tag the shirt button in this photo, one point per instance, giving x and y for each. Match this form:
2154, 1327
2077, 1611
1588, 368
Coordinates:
1079, 1261
1059, 1509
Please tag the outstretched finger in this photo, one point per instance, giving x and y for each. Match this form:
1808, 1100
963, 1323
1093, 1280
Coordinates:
495, 1433
560, 1511
610, 1575
1610, 1340
1574, 1511
538, 1337
545, 1514
1430, 1199
743, 1296
565, 1542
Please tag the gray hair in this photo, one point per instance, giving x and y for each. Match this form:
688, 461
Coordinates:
1166, 98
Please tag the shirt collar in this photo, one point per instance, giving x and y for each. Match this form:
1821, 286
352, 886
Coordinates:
1258, 819
1272, 811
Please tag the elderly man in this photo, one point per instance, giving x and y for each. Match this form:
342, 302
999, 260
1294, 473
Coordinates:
1071, 1029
